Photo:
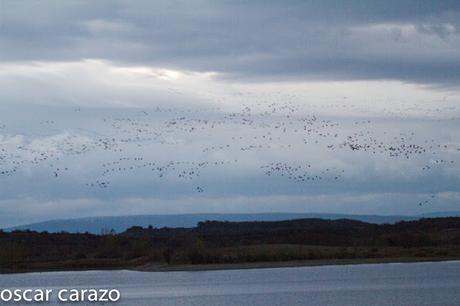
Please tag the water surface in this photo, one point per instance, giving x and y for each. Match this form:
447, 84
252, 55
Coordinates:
371, 284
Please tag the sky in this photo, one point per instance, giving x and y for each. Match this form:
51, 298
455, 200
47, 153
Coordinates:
146, 107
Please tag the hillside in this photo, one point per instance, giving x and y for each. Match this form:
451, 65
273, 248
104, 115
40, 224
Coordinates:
216, 242
95, 225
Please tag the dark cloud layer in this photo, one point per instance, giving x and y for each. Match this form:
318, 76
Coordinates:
415, 41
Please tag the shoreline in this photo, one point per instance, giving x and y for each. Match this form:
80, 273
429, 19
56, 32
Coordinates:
285, 264
161, 267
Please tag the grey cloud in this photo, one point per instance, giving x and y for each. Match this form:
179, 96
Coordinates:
256, 40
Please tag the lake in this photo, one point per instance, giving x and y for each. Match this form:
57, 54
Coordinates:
370, 284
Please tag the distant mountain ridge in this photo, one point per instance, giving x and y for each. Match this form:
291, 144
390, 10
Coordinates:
96, 225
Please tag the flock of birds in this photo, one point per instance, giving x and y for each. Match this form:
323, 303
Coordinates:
280, 138
301, 173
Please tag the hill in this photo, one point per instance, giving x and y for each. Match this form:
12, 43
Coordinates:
95, 225
217, 242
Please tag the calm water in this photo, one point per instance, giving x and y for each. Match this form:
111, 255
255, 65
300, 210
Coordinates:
376, 284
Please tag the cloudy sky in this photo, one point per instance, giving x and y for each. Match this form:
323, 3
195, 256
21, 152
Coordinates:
136, 107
